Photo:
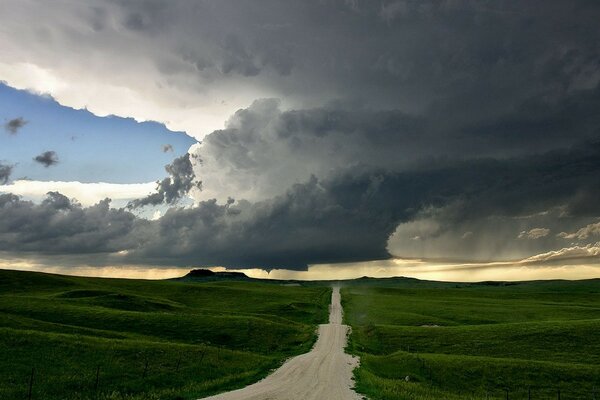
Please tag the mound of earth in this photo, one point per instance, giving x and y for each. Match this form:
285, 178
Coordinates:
206, 274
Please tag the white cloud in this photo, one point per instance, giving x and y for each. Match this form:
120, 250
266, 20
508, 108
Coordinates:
535, 233
567, 253
583, 233
86, 193
79, 89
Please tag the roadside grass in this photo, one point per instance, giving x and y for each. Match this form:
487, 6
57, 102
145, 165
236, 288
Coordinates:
93, 338
475, 341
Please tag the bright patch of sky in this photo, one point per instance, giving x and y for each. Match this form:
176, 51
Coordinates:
89, 148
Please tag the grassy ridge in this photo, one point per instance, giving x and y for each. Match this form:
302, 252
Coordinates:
147, 339
475, 341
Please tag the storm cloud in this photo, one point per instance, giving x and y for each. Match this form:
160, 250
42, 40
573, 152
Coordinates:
171, 189
264, 150
470, 60
349, 217
329, 131
60, 225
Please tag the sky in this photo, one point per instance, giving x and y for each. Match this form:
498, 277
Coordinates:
94, 157
442, 139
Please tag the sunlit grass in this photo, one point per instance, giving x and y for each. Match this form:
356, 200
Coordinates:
432, 341
89, 338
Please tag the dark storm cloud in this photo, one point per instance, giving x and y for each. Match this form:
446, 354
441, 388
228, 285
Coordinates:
472, 62
459, 128
346, 218
308, 223
14, 125
5, 171
170, 190
264, 149
47, 158
349, 217
498, 206
469, 56
59, 225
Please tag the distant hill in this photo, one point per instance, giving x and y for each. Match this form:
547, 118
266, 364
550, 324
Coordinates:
208, 275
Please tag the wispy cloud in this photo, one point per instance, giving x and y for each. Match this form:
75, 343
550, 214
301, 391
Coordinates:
534, 233
583, 233
567, 253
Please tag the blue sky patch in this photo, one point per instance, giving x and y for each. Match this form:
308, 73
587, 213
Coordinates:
89, 148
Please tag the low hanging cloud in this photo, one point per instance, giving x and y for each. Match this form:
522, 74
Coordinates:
287, 231
437, 233
5, 172
58, 225
347, 217
332, 185
496, 200
14, 125
310, 222
47, 158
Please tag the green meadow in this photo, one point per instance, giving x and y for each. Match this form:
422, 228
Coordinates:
92, 338
432, 340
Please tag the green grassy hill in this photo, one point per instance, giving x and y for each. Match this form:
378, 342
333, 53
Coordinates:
92, 338
459, 341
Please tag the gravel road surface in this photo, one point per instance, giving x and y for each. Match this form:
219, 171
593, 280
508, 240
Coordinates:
325, 373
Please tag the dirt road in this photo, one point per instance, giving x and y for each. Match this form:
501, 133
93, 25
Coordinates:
322, 374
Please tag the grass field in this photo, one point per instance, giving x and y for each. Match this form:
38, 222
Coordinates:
91, 338
459, 341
